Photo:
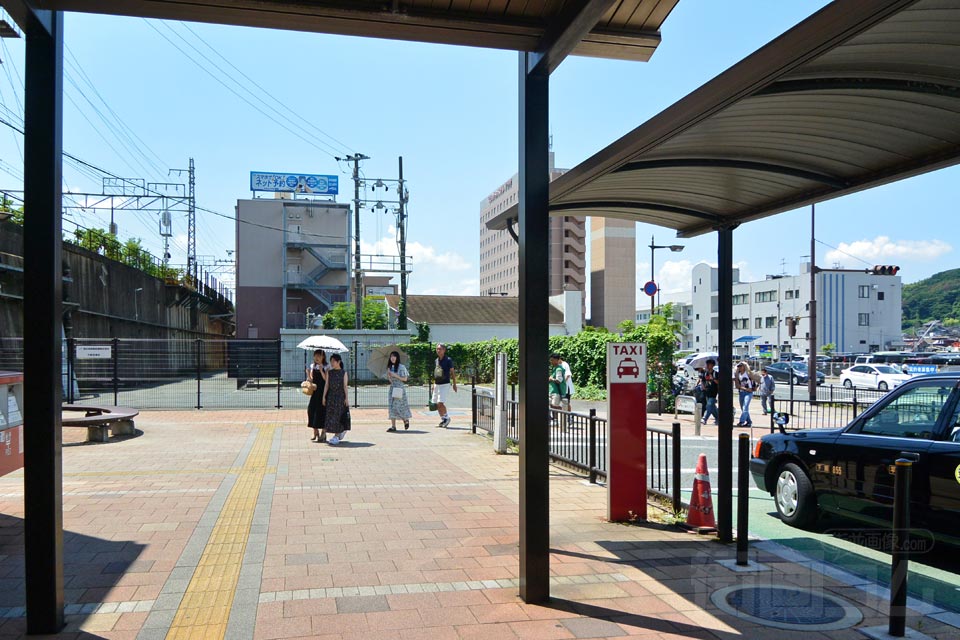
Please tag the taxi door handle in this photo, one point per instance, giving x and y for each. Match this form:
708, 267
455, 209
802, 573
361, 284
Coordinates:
913, 456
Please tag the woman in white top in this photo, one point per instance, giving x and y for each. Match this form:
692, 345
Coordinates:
399, 407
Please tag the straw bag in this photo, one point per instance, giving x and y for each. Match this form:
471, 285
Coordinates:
307, 388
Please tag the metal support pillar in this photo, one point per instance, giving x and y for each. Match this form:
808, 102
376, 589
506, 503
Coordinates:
725, 395
534, 347
42, 303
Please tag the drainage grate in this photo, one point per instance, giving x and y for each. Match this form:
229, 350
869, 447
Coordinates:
787, 607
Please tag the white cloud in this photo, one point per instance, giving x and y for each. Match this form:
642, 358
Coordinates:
883, 248
434, 272
674, 276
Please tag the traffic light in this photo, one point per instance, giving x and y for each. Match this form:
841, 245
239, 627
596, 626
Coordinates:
884, 270
791, 326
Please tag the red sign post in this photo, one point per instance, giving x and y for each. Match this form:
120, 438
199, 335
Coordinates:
626, 431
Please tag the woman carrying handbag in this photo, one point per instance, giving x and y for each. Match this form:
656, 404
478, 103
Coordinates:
317, 376
397, 374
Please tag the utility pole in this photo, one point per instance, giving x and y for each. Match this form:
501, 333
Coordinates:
358, 285
812, 359
192, 220
402, 241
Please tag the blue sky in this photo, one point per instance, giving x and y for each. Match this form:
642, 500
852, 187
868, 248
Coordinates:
451, 113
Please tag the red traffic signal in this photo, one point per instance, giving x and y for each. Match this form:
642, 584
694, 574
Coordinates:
885, 270
791, 326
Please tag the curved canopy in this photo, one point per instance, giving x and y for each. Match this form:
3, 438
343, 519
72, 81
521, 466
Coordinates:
860, 94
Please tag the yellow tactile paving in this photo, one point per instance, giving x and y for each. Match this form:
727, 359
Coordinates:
205, 607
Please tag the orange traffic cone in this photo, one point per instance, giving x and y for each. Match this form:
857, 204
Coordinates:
700, 515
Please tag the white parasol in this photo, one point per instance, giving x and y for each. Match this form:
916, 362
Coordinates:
327, 343
379, 357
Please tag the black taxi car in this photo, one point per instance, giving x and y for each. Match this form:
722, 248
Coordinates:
849, 471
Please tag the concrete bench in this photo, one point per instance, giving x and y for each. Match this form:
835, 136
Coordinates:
100, 421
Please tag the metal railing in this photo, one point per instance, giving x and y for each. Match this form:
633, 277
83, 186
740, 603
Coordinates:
191, 374
835, 407
580, 440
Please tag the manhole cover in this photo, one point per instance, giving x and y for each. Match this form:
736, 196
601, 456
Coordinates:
787, 607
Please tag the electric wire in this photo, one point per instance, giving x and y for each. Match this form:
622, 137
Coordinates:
241, 96
869, 264
303, 120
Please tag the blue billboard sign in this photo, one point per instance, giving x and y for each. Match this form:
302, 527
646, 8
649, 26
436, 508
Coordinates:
295, 183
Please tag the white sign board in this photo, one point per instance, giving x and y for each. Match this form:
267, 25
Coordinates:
94, 353
626, 363
685, 404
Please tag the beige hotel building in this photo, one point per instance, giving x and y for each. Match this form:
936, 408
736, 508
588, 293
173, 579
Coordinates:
499, 257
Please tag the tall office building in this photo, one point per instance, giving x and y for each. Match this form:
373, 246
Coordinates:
613, 273
499, 256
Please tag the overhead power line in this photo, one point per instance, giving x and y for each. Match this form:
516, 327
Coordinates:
318, 144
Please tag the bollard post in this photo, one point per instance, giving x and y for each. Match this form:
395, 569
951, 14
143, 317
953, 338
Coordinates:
743, 498
697, 417
356, 356
473, 409
592, 455
900, 559
676, 467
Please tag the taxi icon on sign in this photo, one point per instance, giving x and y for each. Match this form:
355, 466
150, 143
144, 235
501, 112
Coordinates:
628, 367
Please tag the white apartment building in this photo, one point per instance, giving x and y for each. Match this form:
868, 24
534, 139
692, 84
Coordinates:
856, 312
499, 252
682, 313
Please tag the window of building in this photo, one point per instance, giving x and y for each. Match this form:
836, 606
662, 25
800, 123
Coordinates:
766, 296
741, 323
788, 294
770, 322
863, 319
863, 291
743, 298
698, 316
758, 323
796, 294
880, 296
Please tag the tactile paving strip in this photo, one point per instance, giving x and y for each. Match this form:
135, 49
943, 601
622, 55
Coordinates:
205, 608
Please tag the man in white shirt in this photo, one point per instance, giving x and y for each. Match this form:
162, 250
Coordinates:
568, 377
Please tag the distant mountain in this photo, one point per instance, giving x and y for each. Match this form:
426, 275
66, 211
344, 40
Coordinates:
936, 298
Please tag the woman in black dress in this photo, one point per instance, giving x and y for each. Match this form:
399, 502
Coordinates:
335, 400
317, 374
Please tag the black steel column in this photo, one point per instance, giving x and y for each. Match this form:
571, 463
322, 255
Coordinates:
42, 335
534, 346
725, 396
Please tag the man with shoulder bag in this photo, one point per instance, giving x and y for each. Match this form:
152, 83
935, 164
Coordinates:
444, 377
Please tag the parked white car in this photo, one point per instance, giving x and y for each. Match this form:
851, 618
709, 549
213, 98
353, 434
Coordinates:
873, 376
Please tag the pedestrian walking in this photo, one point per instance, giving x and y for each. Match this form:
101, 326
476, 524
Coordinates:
336, 401
399, 409
444, 378
568, 380
768, 386
710, 387
746, 382
317, 374
556, 384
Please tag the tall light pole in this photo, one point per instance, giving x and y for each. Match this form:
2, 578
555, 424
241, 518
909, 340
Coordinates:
653, 247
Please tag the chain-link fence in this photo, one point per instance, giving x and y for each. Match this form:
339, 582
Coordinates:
198, 374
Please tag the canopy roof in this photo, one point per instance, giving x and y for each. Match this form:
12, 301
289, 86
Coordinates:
862, 93
626, 29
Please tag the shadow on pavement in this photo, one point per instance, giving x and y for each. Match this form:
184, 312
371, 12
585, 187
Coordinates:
92, 568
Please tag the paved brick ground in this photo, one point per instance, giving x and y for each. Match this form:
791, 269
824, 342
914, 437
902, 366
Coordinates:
402, 535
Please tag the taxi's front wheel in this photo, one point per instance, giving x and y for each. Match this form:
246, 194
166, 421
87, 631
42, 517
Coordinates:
794, 497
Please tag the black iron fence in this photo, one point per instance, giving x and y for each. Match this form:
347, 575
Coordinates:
579, 441
189, 374
835, 407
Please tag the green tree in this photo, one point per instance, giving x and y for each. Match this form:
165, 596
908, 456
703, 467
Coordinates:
343, 315
828, 349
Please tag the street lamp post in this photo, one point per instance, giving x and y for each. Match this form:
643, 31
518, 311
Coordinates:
653, 247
